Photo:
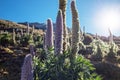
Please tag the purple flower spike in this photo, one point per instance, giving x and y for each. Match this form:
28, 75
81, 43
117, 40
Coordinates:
49, 34
75, 28
59, 34
32, 52
44, 41
27, 69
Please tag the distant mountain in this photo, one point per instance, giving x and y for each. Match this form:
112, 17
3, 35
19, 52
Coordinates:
6, 24
36, 25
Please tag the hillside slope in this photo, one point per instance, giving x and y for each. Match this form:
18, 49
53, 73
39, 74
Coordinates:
5, 24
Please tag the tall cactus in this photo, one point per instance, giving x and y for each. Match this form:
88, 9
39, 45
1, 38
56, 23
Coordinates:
75, 29
59, 34
49, 34
62, 6
27, 69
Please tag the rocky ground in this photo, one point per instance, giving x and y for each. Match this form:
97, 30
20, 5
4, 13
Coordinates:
11, 60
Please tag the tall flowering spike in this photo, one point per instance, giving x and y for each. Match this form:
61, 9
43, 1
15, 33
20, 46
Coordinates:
33, 28
110, 36
32, 52
27, 69
21, 32
13, 36
96, 36
75, 29
49, 34
83, 29
62, 6
59, 34
27, 28
44, 41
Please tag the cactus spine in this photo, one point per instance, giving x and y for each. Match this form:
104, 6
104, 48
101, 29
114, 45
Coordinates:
62, 6
27, 69
49, 34
59, 34
75, 29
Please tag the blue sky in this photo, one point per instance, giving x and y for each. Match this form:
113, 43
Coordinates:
41, 10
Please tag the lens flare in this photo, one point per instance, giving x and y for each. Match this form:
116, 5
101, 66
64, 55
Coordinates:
107, 17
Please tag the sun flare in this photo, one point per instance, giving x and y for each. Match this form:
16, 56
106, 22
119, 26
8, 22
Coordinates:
107, 18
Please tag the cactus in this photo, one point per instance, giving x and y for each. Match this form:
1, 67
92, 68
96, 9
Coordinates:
27, 69
62, 6
59, 34
49, 34
75, 29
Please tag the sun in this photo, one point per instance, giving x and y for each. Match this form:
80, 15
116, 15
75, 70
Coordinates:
107, 18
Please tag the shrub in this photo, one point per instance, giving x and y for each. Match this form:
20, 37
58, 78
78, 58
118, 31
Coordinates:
104, 46
113, 53
100, 49
60, 68
6, 39
87, 39
38, 41
26, 40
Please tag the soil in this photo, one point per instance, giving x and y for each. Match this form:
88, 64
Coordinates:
11, 63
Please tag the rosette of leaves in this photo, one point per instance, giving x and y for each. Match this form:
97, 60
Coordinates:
99, 55
38, 41
6, 39
100, 49
30, 41
113, 55
26, 40
114, 48
104, 46
60, 68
